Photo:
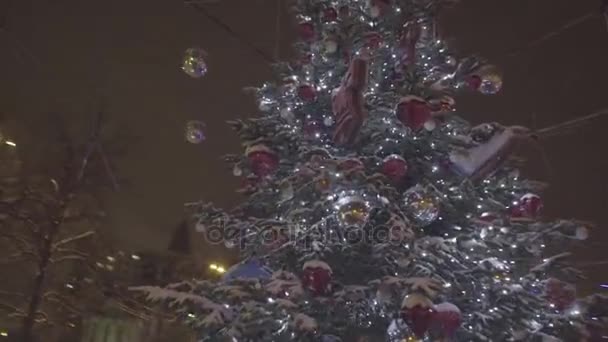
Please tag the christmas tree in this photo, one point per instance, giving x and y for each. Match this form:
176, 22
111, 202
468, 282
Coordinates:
373, 210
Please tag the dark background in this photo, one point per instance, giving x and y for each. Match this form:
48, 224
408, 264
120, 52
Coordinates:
65, 55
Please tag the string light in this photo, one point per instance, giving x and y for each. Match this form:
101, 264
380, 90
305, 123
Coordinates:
10, 143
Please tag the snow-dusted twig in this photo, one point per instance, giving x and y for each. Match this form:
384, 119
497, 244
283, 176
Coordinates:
549, 261
74, 238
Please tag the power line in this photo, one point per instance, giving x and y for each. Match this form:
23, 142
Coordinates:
232, 32
570, 24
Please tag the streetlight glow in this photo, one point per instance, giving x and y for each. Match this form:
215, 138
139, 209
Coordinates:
217, 268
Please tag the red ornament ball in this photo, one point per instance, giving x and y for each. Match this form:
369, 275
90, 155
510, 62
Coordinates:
263, 160
413, 112
330, 14
448, 318
316, 277
394, 167
417, 311
529, 206
373, 40
307, 93
306, 31
561, 294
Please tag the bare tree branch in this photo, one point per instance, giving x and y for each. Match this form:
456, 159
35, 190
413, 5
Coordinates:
26, 252
61, 300
16, 294
12, 309
11, 212
71, 251
74, 238
20, 256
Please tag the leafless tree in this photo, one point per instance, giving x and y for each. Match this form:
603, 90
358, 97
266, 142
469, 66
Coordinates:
49, 220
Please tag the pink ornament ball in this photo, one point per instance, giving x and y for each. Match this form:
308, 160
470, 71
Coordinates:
448, 317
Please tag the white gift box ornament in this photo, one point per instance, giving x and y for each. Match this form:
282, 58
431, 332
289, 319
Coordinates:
480, 161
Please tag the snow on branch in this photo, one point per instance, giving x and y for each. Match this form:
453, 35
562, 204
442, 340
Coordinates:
158, 294
304, 322
428, 285
282, 282
548, 262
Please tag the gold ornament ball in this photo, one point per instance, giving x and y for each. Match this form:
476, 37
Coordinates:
352, 211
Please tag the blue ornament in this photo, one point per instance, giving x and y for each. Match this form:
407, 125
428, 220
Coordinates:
330, 338
249, 269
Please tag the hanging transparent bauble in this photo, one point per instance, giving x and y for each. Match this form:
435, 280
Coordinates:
194, 64
195, 132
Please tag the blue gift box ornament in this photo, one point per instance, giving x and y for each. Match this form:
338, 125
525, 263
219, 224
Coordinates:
248, 269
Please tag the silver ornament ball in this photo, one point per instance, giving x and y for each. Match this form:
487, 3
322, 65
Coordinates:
422, 207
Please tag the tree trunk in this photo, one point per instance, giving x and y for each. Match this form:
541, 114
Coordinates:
38, 288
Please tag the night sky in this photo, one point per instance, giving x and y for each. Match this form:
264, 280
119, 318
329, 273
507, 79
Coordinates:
65, 55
